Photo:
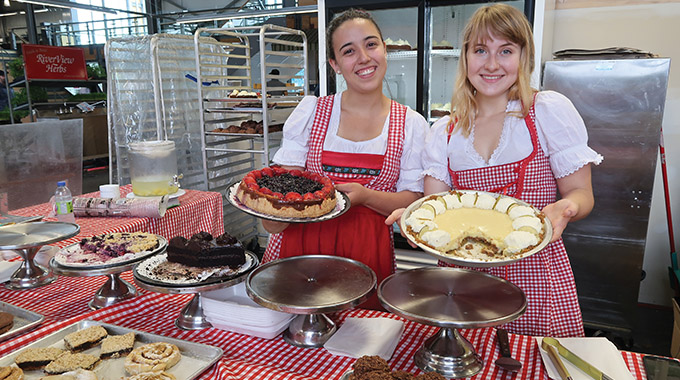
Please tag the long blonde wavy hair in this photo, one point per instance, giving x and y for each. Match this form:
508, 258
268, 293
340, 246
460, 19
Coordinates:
503, 21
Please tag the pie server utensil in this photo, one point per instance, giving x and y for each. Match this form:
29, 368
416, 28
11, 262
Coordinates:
555, 359
583, 365
506, 361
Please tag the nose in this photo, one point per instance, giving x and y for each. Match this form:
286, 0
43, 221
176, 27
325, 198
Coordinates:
363, 55
492, 62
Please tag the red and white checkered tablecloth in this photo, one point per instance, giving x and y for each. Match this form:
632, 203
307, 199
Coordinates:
247, 357
198, 211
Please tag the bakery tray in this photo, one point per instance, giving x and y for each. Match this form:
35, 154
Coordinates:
24, 320
196, 357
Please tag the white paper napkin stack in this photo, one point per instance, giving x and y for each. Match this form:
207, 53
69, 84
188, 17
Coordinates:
7, 268
366, 336
231, 309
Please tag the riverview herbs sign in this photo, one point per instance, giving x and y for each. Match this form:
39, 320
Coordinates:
54, 62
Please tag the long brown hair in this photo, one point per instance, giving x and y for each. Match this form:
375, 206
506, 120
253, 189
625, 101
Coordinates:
503, 21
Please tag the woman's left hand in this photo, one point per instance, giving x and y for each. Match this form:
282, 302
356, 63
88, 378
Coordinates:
560, 213
357, 193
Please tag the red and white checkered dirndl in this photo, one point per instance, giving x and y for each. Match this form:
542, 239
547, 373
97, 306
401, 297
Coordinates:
385, 181
545, 277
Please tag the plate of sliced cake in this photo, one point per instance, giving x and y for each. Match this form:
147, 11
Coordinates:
476, 228
199, 260
108, 250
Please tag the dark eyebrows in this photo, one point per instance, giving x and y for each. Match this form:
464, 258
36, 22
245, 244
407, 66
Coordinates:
365, 39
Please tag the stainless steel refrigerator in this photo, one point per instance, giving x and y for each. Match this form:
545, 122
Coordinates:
622, 103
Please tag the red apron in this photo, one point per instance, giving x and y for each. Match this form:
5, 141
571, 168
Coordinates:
360, 233
545, 277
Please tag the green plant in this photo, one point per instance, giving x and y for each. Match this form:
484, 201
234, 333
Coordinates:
16, 67
94, 71
88, 97
38, 94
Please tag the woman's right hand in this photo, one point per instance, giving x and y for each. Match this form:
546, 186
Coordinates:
274, 227
394, 217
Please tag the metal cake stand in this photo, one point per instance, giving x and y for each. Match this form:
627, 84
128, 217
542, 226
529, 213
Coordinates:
311, 286
114, 289
27, 239
451, 298
191, 317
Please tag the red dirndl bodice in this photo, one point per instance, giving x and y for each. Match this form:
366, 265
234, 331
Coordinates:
360, 233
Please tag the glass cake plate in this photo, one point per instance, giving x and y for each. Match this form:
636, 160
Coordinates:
341, 207
61, 257
472, 262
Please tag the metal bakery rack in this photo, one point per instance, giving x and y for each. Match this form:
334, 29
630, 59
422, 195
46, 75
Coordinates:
248, 55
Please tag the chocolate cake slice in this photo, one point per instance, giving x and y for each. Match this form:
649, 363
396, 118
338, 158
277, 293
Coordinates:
203, 251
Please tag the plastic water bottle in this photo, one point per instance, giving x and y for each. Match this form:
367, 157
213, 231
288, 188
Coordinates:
63, 203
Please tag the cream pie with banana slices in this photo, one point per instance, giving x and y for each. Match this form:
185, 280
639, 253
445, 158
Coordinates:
476, 225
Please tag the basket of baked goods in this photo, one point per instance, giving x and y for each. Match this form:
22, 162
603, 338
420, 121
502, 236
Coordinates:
291, 196
476, 228
91, 350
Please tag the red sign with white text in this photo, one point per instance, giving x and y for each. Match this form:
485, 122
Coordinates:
54, 62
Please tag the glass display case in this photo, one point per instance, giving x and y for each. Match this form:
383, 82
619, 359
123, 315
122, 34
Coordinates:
423, 48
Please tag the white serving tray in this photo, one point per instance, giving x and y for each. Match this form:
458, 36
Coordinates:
233, 305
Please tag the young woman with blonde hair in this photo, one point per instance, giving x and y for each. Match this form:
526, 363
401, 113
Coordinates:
505, 137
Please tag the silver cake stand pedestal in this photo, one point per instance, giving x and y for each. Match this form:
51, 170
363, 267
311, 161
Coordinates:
27, 239
191, 317
451, 298
311, 286
114, 290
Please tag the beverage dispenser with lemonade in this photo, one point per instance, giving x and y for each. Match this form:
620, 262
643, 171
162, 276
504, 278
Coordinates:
153, 168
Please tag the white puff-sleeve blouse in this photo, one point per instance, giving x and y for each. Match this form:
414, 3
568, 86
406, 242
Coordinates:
561, 132
298, 126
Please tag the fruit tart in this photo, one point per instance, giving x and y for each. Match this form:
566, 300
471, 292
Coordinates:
287, 193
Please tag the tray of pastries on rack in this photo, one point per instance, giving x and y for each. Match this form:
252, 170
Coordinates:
91, 350
249, 127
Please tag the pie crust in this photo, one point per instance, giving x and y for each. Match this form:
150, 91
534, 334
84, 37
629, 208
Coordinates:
287, 193
476, 225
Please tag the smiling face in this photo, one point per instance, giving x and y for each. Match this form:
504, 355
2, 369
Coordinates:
493, 64
360, 55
